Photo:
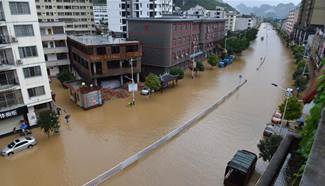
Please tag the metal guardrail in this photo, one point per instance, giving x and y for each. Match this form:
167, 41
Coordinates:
129, 161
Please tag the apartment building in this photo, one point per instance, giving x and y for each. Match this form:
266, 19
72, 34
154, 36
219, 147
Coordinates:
199, 11
230, 21
77, 14
120, 10
311, 17
290, 21
105, 60
54, 41
219, 12
24, 86
245, 22
175, 41
100, 14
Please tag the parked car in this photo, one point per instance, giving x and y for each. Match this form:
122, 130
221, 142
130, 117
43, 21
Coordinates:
18, 145
276, 118
145, 91
240, 168
268, 131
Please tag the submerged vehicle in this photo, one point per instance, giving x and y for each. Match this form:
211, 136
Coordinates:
221, 64
240, 168
276, 118
226, 61
269, 130
18, 145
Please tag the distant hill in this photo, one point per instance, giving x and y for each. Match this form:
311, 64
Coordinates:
279, 11
208, 4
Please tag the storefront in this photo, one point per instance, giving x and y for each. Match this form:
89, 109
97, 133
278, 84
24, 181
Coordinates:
10, 119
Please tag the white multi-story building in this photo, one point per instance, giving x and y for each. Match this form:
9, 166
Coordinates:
24, 86
54, 40
77, 14
120, 10
100, 14
245, 22
230, 20
219, 12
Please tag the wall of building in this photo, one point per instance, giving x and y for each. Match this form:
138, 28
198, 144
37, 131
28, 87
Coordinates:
19, 63
243, 23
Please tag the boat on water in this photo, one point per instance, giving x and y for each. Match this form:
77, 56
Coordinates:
262, 38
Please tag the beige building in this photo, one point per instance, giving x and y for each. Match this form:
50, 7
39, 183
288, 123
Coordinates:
291, 21
76, 14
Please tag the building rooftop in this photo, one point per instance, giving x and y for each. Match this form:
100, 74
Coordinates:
178, 19
91, 40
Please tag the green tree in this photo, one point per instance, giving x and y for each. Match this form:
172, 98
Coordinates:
251, 34
48, 121
294, 108
153, 82
177, 71
65, 75
268, 146
213, 60
199, 66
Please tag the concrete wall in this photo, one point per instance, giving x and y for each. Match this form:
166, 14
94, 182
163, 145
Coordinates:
156, 42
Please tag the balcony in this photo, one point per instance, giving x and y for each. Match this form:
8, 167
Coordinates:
55, 50
53, 63
54, 37
8, 80
10, 100
6, 59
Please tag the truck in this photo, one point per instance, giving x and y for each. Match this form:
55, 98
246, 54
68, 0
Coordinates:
240, 168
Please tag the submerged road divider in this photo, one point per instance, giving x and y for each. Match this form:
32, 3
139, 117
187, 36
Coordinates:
129, 161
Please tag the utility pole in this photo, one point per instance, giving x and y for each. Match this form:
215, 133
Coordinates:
133, 95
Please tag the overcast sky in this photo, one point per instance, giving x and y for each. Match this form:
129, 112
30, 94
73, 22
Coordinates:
259, 2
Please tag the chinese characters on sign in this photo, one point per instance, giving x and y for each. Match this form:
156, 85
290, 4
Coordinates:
8, 114
13, 113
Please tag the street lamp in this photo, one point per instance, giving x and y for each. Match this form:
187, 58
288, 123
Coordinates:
132, 79
288, 93
226, 43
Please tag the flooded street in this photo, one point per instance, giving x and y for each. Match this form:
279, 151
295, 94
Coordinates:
98, 139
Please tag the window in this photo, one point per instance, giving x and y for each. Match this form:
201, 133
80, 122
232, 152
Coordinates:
32, 71
115, 49
20, 144
101, 50
132, 48
29, 51
24, 30
19, 8
61, 56
36, 91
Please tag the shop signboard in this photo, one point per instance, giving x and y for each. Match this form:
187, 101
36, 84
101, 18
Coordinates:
13, 112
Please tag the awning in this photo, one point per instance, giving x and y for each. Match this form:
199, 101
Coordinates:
196, 54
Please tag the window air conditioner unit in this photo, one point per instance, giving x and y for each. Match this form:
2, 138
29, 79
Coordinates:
19, 62
13, 39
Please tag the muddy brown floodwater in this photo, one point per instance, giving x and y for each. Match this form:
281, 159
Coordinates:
98, 139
